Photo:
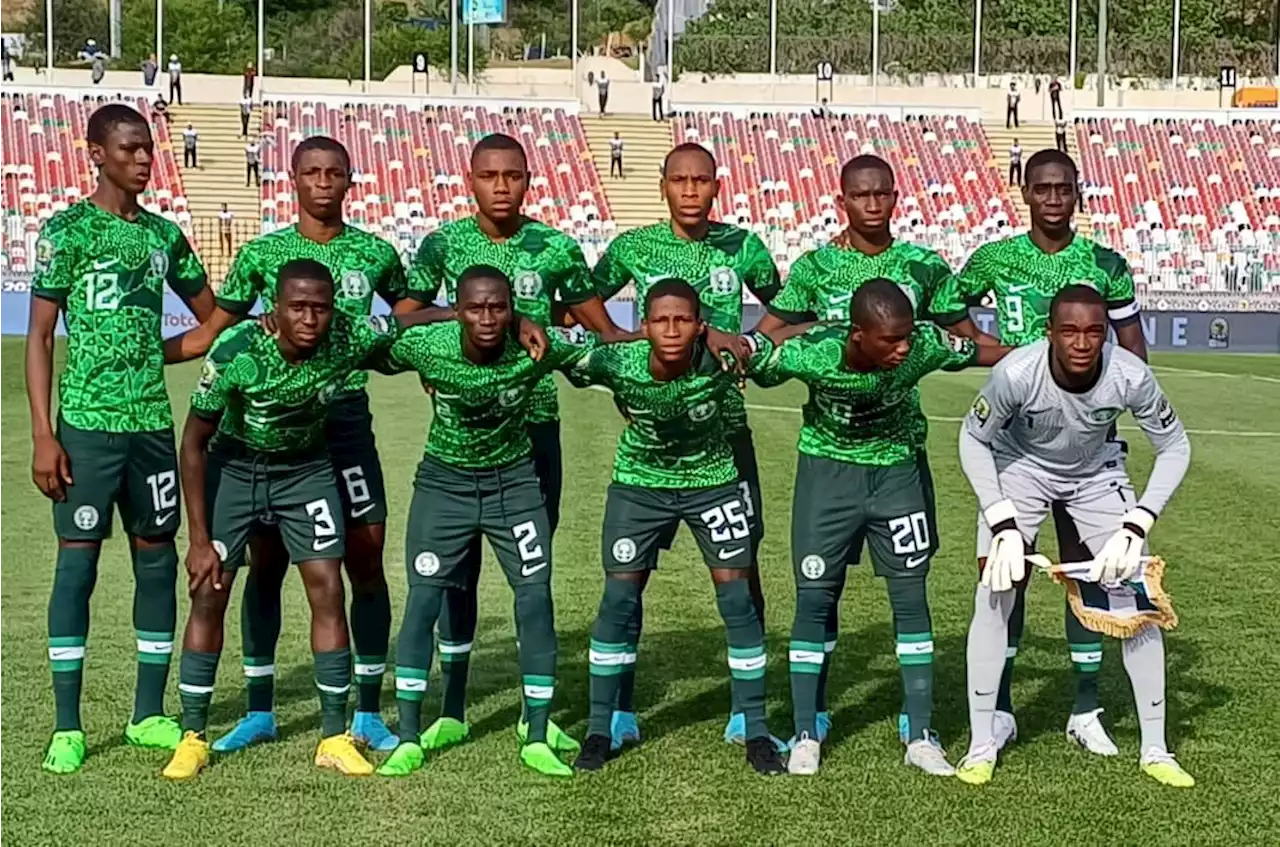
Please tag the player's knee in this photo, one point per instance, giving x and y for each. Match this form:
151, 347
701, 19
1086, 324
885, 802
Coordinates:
621, 598
535, 613
909, 601
814, 605
733, 599
324, 590
208, 606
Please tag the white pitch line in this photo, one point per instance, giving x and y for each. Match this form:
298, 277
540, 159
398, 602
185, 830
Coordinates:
1197, 372
791, 410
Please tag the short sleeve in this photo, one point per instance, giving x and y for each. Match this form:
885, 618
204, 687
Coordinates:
565, 354
573, 279
55, 267
1122, 301
794, 303
243, 284
373, 336
951, 352
209, 400
426, 271
611, 273
950, 303
187, 276
1154, 413
996, 403
392, 284
791, 359
597, 367
760, 272
933, 275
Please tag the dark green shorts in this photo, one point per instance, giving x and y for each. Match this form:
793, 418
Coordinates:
637, 521
931, 512
298, 497
549, 465
744, 457
452, 507
349, 431
838, 504
136, 470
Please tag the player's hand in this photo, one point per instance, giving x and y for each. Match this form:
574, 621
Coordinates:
533, 338
1007, 559
1121, 557
267, 321
51, 468
721, 343
203, 565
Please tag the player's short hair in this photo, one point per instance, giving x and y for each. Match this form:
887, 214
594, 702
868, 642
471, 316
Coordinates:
688, 147
878, 300
1077, 293
105, 118
499, 141
671, 287
865, 162
320, 142
1050, 156
299, 269
478, 273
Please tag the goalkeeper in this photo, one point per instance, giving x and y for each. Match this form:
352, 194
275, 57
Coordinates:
1039, 433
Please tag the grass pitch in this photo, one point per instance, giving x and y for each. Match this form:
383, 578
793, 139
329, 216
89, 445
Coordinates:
683, 785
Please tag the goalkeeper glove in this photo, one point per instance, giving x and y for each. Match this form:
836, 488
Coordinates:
1121, 557
1007, 558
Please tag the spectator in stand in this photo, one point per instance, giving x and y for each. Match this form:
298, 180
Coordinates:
1080, 193
250, 74
91, 49
822, 112
659, 89
615, 155
1060, 134
602, 87
99, 69
1055, 100
175, 79
189, 139
252, 166
161, 108
224, 229
246, 112
1015, 163
1011, 106
7, 61
149, 70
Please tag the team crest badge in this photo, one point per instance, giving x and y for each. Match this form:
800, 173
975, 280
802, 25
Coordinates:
624, 551
86, 517
724, 281
426, 564
813, 567
159, 264
510, 397
1104, 416
527, 285
354, 285
327, 391
702, 411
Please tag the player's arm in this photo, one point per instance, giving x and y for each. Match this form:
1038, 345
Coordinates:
50, 466
1157, 418
1122, 306
579, 297
392, 285
235, 299
208, 403
794, 303
188, 279
940, 286
425, 277
950, 301
761, 273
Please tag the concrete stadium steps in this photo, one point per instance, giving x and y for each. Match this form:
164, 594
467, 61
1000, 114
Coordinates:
633, 201
218, 179
1033, 136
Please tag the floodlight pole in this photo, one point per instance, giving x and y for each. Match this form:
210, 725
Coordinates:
48, 39
773, 37
453, 44
875, 51
977, 40
1177, 26
1075, 14
1102, 53
368, 44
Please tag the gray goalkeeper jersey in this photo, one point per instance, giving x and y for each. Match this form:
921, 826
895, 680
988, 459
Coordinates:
1026, 418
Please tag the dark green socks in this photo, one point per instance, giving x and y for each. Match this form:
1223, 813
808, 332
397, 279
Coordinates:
260, 631
914, 636
746, 652
73, 581
196, 674
333, 682
155, 613
413, 656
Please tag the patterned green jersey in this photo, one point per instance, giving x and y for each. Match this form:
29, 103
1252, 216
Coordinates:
544, 265
1023, 278
822, 282
481, 411
108, 275
871, 418
676, 434
717, 267
271, 405
362, 265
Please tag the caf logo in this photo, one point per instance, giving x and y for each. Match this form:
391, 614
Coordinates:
426, 564
702, 411
86, 517
208, 375
813, 567
1219, 333
527, 285
355, 285
44, 252
159, 264
379, 324
624, 551
981, 409
510, 397
724, 281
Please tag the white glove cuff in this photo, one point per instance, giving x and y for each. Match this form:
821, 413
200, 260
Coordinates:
1140, 518
998, 513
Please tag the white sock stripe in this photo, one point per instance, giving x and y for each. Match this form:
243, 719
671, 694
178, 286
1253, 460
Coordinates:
1086, 658
752, 663
829, 646
258, 671
611, 659
159, 648
806, 657
371, 670
333, 689
62, 654
914, 648
1010, 652
407, 683
453, 649
187, 688
539, 692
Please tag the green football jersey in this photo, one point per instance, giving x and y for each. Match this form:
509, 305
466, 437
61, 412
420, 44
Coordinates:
544, 265
822, 282
871, 418
271, 405
480, 411
676, 433
108, 275
362, 265
1023, 279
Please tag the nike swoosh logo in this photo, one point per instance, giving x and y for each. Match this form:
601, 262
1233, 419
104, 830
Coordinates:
163, 519
916, 561
363, 510
102, 264
726, 555
319, 545
841, 298
1156, 703
1015, 289
261, 404
983, 693
530, 571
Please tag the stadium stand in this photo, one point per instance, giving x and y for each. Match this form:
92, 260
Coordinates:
781, 171
411, 164
46, 168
